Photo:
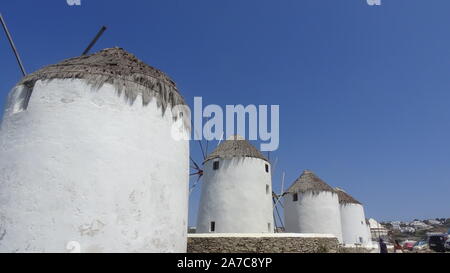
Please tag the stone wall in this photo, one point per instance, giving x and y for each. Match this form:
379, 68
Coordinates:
262, 243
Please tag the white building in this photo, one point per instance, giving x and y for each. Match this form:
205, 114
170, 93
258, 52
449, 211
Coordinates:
408, 230
434, 222
236, 194
353, 219
88, 162
369, 235
312, 206
377, 230
419, 225
396, 225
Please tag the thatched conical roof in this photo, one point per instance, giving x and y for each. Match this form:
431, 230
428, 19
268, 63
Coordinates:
117, 67
345, 198
308, 181
235, 147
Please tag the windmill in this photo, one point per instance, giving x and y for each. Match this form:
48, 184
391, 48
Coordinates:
312, 206
157, 154
198, 171
237, 183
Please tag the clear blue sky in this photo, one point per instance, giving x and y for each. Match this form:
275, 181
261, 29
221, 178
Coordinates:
364, 92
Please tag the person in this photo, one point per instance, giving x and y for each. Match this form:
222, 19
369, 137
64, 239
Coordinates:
383, 247
397, 247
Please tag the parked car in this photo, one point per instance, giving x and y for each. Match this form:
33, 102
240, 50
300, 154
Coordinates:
409, 245
447, 245
437, 242
420, 245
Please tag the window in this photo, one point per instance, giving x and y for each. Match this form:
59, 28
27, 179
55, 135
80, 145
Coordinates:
215, 165
212, 228
295, 197
267, 189
269, 227
267, 168
20, 98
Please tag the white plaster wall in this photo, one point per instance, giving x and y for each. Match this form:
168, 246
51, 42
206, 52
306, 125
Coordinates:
369, 236
85, 166
235, 198
313, 213
353, 224
369, 242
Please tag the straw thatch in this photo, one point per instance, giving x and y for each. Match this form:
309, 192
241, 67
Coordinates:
115, 66
308, 181
235, 148
345, 198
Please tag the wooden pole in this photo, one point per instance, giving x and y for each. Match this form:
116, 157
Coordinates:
86, 51
11, 42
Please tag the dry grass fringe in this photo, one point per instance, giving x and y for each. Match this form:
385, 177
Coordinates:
235, 148
130, 76
309, 182
345, 198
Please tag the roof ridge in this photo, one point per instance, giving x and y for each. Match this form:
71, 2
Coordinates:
345, 198
235, 148
309, 181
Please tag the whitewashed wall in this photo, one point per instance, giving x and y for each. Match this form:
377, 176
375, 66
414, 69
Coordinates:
369, 235
235, 197
313, 213
354, 224
85, 166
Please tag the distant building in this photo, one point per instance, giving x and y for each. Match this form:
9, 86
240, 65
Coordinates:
407, 230
419, 225
192, 230
396, 225
279, 230
434, 222
376, 229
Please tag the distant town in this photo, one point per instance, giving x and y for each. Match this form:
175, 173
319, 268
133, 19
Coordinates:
409, 234
417, 229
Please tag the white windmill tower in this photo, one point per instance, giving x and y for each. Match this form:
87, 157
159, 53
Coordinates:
353, 219
312, 206
236, 194
87, 155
